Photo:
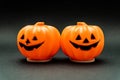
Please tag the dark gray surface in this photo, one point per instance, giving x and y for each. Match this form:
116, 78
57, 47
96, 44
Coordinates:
13, 65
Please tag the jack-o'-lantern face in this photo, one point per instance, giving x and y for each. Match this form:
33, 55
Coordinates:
82, 41
86, 44
28, 42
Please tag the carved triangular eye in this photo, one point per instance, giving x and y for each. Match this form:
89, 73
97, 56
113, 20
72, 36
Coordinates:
34, 38
92, 36
78, 37
22, 36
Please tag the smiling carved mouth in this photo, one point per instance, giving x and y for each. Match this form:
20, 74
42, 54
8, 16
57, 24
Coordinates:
29, 48
88, 47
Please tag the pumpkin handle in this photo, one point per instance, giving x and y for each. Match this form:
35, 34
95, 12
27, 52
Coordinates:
81, 23
39, 23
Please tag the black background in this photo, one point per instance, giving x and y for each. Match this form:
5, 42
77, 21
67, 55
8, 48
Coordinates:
16, 14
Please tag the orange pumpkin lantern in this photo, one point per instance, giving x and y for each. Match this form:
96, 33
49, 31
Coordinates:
39, 42
82, 42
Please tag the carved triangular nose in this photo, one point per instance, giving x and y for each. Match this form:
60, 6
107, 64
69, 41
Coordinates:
86, 41
27, 42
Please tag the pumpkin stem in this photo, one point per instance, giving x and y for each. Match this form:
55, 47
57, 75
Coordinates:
39, 23
81, 23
